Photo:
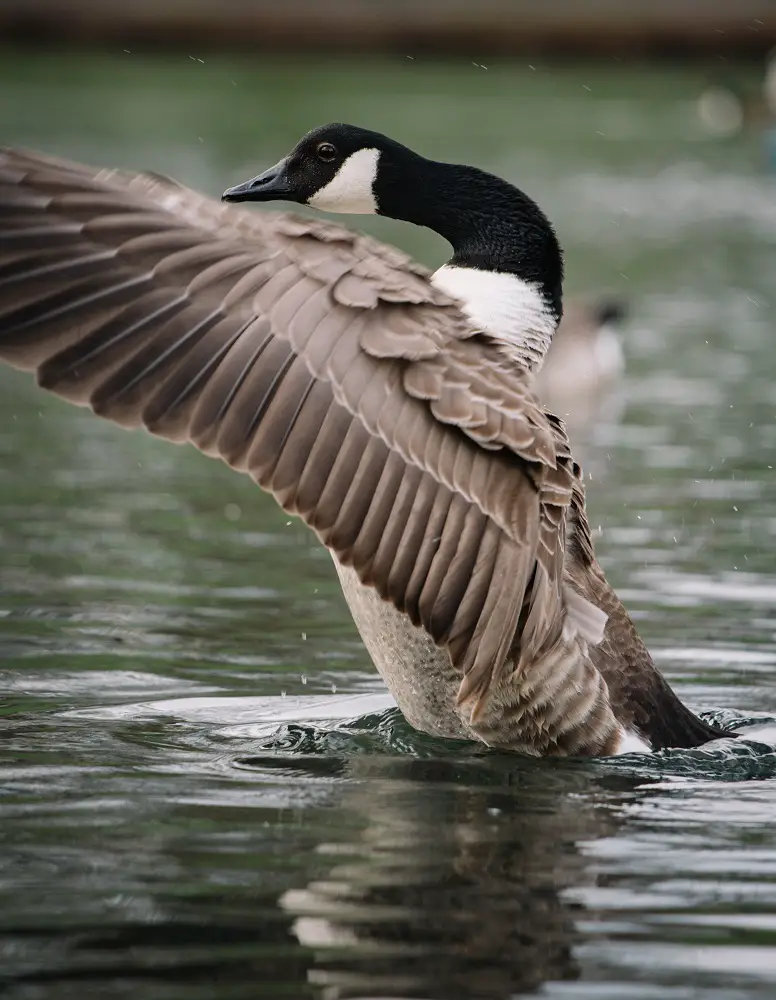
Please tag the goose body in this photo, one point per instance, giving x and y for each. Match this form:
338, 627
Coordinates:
393, 411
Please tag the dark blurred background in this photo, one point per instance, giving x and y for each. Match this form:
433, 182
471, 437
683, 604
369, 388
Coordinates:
506, 26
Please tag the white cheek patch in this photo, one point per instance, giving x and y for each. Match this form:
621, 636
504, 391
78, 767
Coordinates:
351, 190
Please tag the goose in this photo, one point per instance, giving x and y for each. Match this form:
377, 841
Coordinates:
586, 344
392, 410
580, 376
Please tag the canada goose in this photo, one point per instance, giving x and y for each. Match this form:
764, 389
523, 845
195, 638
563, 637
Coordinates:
579, 377
399, 424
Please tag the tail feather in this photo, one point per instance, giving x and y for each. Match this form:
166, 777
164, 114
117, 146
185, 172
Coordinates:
672, 724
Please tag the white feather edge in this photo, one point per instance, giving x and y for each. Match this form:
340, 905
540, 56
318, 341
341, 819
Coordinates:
631, 742
583, 618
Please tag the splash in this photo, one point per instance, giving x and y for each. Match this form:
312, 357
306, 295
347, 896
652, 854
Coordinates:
750, 757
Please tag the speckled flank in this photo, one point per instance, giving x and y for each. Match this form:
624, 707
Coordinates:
418, 673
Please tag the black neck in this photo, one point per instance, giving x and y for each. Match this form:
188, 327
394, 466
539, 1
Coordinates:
490, 224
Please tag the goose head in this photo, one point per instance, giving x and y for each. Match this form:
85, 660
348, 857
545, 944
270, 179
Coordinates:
333, 168
507, 265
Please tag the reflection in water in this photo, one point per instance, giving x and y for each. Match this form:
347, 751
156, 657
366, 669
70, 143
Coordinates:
332, 876
453, 888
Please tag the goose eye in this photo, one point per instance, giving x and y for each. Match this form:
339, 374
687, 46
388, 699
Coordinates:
326, 152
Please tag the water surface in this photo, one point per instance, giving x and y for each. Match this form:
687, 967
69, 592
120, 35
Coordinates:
205, 790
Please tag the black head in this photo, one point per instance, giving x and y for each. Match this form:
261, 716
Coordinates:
334, 168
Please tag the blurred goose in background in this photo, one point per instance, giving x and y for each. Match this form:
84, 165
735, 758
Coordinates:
579, 379
392, 410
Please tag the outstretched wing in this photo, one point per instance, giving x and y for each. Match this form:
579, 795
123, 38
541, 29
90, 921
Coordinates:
320, 362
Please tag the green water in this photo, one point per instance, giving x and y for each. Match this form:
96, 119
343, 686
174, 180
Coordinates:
204, 791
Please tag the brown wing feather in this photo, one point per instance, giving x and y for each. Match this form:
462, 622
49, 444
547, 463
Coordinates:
320, 362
